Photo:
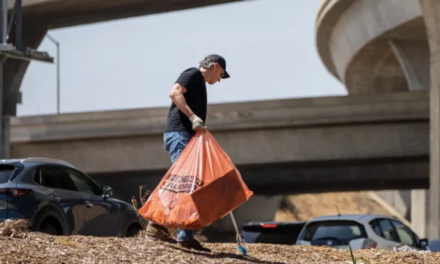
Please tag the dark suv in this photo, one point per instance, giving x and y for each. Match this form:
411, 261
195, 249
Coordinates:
59, 199
272, 232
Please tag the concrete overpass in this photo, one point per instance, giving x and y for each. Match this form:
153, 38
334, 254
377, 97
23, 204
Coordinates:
289, 146
382, 47
67, 13
371, 51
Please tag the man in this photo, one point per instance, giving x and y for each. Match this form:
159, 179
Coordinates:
187, 114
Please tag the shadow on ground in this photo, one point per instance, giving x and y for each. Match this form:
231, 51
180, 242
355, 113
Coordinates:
249, 259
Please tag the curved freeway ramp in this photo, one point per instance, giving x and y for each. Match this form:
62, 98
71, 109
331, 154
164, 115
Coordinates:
374, 46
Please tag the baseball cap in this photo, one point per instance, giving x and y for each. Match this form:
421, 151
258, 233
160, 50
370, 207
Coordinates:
221, 61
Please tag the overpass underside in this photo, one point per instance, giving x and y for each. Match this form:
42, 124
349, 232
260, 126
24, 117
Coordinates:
338, 176
67, 13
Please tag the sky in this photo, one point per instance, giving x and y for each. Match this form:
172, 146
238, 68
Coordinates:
269, 46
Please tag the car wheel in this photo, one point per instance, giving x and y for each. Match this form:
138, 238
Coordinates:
133, 231
49, 220
50, 229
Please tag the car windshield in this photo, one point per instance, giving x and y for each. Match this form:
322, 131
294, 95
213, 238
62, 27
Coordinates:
333, 232
6, 172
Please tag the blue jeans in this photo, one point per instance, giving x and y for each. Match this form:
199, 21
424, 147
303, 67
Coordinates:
175, 142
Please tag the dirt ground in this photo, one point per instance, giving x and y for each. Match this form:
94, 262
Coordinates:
41, 248
308, 206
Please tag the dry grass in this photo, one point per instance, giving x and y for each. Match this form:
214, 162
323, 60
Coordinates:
13, 227
308, 206
41, 248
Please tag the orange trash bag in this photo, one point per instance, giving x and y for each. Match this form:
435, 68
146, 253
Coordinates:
201, 187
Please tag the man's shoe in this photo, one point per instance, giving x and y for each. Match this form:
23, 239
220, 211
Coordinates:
193, 244
157, 232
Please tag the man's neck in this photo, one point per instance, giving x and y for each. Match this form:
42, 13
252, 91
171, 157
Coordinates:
204, 73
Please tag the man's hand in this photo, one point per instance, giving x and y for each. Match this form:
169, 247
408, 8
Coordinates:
197, 123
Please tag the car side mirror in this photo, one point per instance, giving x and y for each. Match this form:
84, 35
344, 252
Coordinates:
424, 243
107, 191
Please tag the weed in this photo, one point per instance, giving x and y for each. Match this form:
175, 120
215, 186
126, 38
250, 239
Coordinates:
352, 255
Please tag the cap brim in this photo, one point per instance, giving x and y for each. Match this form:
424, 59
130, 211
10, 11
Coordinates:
226, 75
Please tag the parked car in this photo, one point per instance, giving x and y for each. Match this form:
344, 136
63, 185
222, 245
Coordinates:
434, 245
59, 199
374, 231
272, 232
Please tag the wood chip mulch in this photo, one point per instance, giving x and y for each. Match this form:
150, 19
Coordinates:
20, 246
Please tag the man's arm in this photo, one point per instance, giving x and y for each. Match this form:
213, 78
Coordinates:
176, 96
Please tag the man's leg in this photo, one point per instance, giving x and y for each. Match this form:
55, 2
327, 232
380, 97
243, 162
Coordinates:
175, 143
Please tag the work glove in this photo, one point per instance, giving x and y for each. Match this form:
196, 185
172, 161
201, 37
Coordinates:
197, 123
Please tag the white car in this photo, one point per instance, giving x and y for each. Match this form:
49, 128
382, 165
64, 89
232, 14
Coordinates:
360, 231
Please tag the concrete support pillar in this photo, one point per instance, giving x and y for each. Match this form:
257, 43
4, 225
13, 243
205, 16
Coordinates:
12, 72
399, 200
431, 14
420, 212
413, 56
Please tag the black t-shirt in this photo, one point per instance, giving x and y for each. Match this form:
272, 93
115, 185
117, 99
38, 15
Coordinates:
196, 98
